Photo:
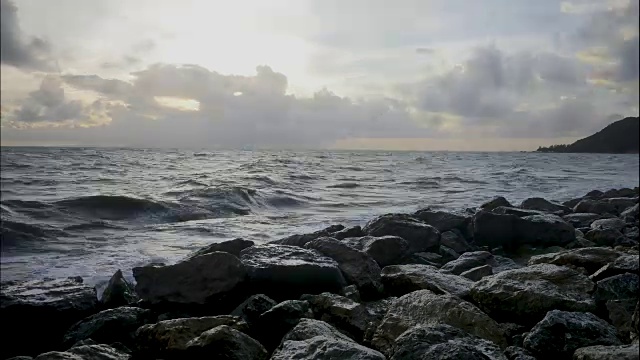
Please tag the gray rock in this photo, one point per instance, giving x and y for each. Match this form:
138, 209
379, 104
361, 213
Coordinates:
84, 342
604, 237
620, 315
525, 295
310, 328
612, 223
423, 307
579, 220
302, 239
419, 236
444, 221
478, 273
108, 326
403, 279
230, 246
196, 280
86, 352
470, 260
560, 333
443, 342
494, 203
447, 254
635, 322
355, 231
225, 342
544, 230
621, 204
631, 213
599, 352
632, 233
251, 309
351, 292
494, 230
20, 358
621, 265
455, 242
617, 287
505, 210
282, 271
540, 204
61, 302
424, 258
572, 203
357, 267
619, 193
518, 353
385, 250
594, 206
591, 258
119, 292
275, 323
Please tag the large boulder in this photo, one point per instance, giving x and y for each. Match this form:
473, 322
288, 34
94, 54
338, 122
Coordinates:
611, 223
273, 324
627, 263
519, 212
547, 230
251, 309
601, 352
470, 260
86, 352
60, 302
420, 236
385, 250
225, 342
594, 206
313, 339
284, 272
590, 258
445, 221
560, 333
581, 220
354, 231
424, 307
197, 280
402, 279
494, 230
443, 342
540, 204
617, 287
119, 292
620, 204
357, 266
478, 273
302, 239
518, 353
630, 215
495, 203
108, 326
230, 246
455, 241
620, 314
525, 295
604, 236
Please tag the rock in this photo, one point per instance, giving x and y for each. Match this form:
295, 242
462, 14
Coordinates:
617, 287
357, 267
302, 240
86, 352
494, 230
623, 264
385, 250
230, 246
618, 193
455, 242
251, 309
313, 339
517, 353
444, 221
419, 236
84, 342
197, 280
591, 258
621, 204
525, 295
496, 202
443, 342
470, 260
355, 231
604, 237
276, 322
108, 326
635, 321
560, 333
630, 214
402, 279
579, 220
620, 315
21, 358
572, 203
580, 242
632, 233
594, 206
504, 210
540, 204
612, 223
169, 338
478, 273
423, 307
447, 254
225, 342
119, 292
599, 352
282, 271
61, 302
424, 258
546, 230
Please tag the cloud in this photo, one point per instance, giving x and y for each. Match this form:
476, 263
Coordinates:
16, 49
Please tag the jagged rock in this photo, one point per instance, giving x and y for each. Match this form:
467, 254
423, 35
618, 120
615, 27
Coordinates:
544, 230
197, 280
86, 352
313, 339
385, 250
357, 267
599, 352
604, 237
621, 204
518, 353
594, 206
119, 292
525, 295
443, 342
494, 203
425, 258
612, 223
444, 221
351, 292
419, 236
108, 326
282, 271
580, 220
84, 342
618, 287
276, 322
403, 279
423, 307
230, 246
478, 273
354, 231
620, 315
630, 214
540, 204
61, 302
447, 254
169, 338
619, 193
505, 210
301, 239
455, 242
470, 260
591, 258
251, 309
225, 342
560, 333
623, 264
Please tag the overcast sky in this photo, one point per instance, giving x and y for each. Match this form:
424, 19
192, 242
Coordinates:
402, 74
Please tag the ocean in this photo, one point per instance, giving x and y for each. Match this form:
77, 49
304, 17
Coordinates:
90, 211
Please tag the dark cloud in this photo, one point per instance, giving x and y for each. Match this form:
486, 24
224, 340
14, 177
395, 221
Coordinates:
15, 48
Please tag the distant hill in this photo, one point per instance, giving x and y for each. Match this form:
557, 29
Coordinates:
620, 137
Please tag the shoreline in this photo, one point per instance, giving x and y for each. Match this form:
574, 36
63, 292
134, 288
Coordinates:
360, 290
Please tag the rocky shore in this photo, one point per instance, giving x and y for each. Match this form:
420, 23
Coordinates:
540, 280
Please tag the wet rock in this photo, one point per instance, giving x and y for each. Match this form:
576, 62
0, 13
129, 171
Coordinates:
403, 279
385, 250
540, 204
591, 258
197, 280
225, 342
478, 273
119, 292
108, 326
355, 231
618, 287
419, 236
621, 265
525, 295
560, 333
632, 233
313, 339
282, 271
169, 338
302, 239
612, 223
455, 242
357, 267
86, 352
230, 246
424, 307
470, 260
600, 352
580, 220
518, 353
61, 302
604, 237
594, 206
494, 203
443, 342
275, 323
251, 309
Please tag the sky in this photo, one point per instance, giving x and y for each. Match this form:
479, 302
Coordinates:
459, 75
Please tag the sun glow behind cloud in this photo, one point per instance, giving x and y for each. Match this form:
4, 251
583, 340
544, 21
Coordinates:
178, 103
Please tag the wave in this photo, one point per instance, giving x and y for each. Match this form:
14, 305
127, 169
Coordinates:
94, 225
20, 234
346, 185
422, 183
